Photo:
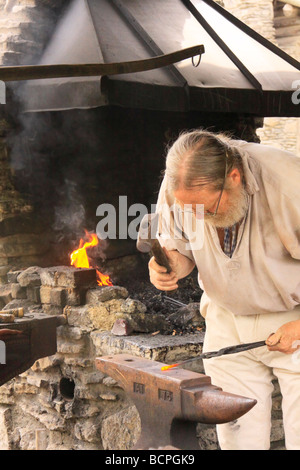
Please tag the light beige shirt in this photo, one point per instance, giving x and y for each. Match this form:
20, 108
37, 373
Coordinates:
263, 274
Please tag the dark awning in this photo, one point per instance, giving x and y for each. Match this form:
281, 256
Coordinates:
239, 72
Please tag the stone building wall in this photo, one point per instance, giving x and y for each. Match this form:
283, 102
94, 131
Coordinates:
25, 26
282, 133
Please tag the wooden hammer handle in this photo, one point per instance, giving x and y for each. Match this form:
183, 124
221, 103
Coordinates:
160, 256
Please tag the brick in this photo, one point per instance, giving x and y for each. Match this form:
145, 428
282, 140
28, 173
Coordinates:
12, 276
17, 245
30, 277
75, 297
67, 276
102, 294
5, 293
33, 294
18, 292
52, 309
53, 295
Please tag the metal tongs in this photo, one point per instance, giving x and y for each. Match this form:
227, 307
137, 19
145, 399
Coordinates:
222, 352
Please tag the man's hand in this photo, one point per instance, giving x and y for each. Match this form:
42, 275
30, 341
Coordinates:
181, 267
286, 339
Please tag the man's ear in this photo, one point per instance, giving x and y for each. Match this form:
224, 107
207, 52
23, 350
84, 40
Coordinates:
235, 177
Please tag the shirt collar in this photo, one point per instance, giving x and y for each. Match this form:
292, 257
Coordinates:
250, 169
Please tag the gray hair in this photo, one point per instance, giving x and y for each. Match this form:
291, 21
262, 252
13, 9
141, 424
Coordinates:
198, 158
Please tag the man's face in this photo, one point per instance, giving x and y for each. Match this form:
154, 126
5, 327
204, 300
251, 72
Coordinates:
232, 206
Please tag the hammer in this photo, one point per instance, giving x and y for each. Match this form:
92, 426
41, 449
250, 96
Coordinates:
147, 241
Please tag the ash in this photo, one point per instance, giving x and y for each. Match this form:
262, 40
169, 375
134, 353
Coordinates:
158, 302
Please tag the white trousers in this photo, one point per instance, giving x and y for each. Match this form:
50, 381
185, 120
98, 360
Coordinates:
250, 374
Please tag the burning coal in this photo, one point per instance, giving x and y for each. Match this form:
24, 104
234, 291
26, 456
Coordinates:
80, 259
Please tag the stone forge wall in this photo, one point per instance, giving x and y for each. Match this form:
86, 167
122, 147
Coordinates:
22, 241
63, 402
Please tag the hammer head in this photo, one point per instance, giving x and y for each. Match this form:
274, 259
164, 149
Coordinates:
147, 232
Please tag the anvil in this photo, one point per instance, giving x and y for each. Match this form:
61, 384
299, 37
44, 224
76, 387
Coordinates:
171, 403
26, 340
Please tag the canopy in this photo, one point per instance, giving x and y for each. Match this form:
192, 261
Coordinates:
240, 70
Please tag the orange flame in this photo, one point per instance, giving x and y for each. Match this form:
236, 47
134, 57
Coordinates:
80, 259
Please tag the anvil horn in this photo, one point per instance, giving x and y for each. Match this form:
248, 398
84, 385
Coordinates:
215, 406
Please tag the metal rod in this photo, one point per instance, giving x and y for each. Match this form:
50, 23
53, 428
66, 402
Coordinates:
222, 352
250, 77
253, 34
174, 301
35, 72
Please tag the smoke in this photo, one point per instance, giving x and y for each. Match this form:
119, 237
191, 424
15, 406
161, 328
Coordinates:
69, 213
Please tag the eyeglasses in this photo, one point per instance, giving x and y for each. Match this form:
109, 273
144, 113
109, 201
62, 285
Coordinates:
211, 214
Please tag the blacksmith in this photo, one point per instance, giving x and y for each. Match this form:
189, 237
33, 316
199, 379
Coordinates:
249, 270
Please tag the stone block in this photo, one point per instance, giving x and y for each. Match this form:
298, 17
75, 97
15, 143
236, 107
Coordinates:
142, 323
46, 363
75, 296
17, 245
133, 307
33, 294
79, 317
94, 317
102, 294
5, 294
91, 376
68, 333
30, 277
53, 295
163, 348
52, 309
18, 292
109, 396
67, 276
64, 347
110, 382
88, 430
104, 315
121, 430
5, 424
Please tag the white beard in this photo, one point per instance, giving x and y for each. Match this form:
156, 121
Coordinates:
238, 206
